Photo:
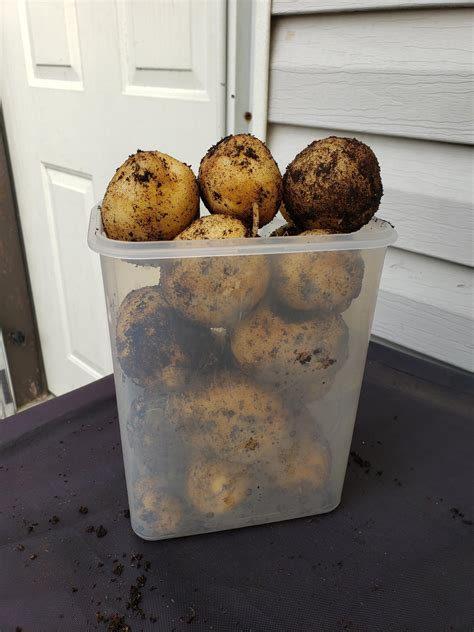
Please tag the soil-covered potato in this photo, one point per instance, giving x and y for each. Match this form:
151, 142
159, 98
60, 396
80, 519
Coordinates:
285, 213
216, 291
305, 464
154, 441
216, 486
326, 280
156, 511
231, 417
155, 347
334, 183
215, 227
297, 357
152, 196
237, 173
287, 230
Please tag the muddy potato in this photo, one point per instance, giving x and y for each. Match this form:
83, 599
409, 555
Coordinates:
285, 213
287, 230
155, 509
145, 426
334, 183
216, 291
238, 172
216, 486
215, 227
155, 347
152, 196
297, 357
231, 417
154, 441
328, 280
305, 464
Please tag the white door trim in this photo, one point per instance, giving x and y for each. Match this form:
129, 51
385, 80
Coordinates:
248, 56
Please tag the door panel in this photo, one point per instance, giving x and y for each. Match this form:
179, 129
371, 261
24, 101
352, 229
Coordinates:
50, 43
69, 198
85, 85
165, 49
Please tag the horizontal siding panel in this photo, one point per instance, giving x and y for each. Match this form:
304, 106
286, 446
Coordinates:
402, 73
428, 188
417, 326
427, 305
286, 7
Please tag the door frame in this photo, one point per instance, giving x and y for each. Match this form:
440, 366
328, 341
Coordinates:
17, 319
248, 65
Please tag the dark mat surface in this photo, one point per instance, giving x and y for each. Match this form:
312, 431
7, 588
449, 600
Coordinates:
395, 556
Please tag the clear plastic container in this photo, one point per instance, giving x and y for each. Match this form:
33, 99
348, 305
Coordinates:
238, 366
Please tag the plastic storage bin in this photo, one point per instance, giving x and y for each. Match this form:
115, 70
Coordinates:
238, 366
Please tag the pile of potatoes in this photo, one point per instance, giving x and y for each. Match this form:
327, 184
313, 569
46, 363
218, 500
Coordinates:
228, 351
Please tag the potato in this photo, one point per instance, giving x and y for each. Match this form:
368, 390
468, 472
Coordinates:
231, 417
298, 358
287, 230
238, 173
215, 487
152, 196
215, 227
154, 440
216, 291
157, 511
326, 280
285, 213
305, 463
334, 183
155, 347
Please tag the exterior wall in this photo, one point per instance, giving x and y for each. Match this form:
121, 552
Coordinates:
400, 80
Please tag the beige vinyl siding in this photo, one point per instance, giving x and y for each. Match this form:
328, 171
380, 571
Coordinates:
401, 81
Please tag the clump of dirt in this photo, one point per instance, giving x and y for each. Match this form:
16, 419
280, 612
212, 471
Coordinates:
115, 622
136, 597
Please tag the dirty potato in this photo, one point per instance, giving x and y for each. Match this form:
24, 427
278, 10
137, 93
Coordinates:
334, 183
155, 347
216, 486
231, 417
156, 511
215, 227
152, 196
287, 230
216, 291
237, 176
305, 464
297, 357
326, 280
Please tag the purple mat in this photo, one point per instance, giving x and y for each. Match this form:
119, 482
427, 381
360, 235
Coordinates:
395, 556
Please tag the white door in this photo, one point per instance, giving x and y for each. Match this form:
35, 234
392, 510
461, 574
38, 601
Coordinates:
84, 85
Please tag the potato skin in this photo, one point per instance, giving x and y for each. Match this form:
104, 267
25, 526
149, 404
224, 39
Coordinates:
216, 486
305, 464
154, 440
326, 280
154, 346
155, 509
152, 196
287, 230
298, 358
285, 213
232, 418
216, 291
236, 173
214, 227
334, 183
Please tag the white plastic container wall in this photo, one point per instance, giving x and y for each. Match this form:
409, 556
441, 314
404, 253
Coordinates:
238, 366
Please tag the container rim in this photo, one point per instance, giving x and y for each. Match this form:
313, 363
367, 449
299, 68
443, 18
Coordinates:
378, 233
